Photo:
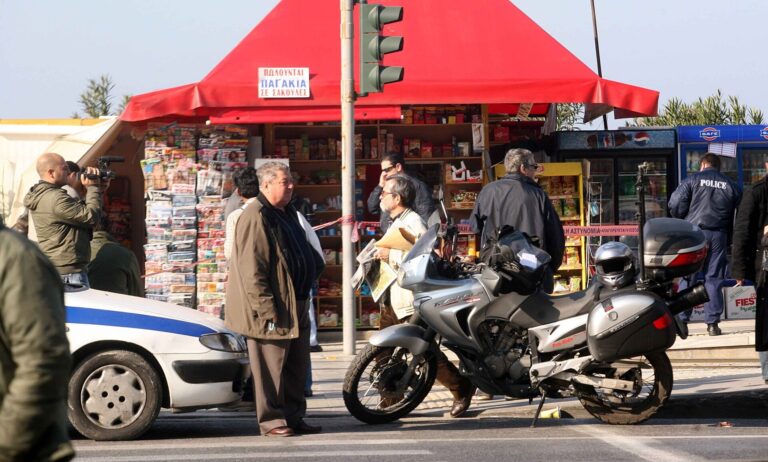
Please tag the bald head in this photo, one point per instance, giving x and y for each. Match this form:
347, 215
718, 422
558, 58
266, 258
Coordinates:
52, 168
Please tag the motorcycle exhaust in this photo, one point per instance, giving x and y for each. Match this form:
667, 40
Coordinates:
688, 298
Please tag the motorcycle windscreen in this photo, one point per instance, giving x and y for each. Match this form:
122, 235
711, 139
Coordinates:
425, 244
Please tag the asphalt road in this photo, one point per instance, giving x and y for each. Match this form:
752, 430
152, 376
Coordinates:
428, 436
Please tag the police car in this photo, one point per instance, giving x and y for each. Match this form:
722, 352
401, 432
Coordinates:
132, 356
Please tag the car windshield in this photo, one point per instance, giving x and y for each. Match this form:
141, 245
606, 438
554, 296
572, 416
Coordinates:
425, 244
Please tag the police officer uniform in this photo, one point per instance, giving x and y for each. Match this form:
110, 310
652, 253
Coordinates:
709, 199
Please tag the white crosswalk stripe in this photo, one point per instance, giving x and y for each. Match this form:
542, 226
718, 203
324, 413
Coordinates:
292, 454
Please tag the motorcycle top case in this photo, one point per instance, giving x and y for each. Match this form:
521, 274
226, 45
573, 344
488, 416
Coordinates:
629, 324
672, 248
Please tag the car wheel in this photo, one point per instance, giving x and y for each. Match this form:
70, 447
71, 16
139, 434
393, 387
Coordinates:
114, 395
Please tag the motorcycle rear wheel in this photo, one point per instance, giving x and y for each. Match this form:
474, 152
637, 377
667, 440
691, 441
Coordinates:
650, 393
371, 393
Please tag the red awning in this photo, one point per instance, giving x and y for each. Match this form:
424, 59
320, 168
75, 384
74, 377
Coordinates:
462, 52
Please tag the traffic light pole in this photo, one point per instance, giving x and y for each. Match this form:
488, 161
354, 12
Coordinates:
347, 173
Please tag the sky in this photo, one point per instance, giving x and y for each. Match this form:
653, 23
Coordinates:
50, 48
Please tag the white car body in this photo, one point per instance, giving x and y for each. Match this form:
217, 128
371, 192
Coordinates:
98, 320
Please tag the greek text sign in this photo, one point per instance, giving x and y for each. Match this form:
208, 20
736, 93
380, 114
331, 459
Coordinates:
604, 230
283, 82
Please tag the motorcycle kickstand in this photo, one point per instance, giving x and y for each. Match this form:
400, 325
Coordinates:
538, 410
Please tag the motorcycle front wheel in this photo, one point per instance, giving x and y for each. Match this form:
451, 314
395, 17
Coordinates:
374, 390
652, 376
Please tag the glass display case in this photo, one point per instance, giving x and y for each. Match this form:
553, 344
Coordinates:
747, 146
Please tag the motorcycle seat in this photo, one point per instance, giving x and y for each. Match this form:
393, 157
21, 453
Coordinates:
541, 308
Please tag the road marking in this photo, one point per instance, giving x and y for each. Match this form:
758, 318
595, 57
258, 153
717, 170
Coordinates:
86, 447
268, 455
635, 446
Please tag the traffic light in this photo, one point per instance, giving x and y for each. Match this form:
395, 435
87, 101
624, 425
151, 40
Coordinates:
373, 47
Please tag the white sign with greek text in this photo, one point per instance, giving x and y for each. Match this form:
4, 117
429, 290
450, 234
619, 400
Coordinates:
283, 82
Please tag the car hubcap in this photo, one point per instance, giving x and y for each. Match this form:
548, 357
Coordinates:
113, 396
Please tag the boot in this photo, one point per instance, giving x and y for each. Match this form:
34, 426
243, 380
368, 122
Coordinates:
712, 329
463, 399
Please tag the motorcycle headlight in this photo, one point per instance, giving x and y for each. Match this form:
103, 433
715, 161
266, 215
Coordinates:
223, 342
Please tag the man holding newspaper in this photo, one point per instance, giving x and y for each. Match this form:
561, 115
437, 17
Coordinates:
397, 197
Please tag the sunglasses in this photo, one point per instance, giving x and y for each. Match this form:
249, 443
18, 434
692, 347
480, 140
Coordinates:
533, 166
388, 169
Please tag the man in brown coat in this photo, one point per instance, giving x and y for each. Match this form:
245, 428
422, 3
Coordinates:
271, 273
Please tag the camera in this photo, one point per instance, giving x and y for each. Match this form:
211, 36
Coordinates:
104, 172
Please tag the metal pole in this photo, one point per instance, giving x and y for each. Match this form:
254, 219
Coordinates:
597, 52
347, 172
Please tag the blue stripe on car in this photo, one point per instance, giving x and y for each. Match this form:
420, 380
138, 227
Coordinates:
78, 315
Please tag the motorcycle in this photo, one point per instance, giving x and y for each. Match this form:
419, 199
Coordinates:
605, 345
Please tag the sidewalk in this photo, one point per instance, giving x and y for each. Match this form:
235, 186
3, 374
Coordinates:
735, 347
700, 390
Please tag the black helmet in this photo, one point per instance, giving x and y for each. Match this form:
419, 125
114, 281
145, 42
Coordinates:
615, 264
520, 264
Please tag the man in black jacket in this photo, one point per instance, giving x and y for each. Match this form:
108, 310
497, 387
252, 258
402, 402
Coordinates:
750, 244
392, 164
708, 199
518, 201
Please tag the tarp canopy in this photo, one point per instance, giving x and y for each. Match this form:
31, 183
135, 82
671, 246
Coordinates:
78, 147
458, 52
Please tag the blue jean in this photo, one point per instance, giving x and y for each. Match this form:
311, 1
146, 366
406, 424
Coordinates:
764, 363
713, 273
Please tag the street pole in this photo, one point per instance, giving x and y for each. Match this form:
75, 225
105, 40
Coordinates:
597, 52
347, 173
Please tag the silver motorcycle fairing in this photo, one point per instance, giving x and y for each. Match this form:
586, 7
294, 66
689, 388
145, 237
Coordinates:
561, 335
450, 310
408, 336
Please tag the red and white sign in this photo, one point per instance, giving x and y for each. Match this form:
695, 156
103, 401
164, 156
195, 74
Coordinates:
740, 302
608, 230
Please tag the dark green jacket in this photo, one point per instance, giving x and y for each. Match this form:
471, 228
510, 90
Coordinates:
64, 225
34, 355
113, 267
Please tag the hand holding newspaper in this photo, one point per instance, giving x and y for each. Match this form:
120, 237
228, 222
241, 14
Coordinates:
397, 238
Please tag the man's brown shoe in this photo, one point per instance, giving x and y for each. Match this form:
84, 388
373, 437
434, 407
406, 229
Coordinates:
460, 406
303, 428
280, 431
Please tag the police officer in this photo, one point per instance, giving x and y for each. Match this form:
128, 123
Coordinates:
708, 199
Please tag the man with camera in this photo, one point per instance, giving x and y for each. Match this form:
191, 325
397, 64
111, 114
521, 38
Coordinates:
64, 225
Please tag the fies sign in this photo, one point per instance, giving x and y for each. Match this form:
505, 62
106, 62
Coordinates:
740, 302
283, 82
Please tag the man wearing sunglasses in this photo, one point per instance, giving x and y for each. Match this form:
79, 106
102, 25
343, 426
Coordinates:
393, 164
518, 201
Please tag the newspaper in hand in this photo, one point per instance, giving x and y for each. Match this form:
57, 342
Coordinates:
365, 258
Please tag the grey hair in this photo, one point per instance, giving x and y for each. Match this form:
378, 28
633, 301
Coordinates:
517, 157
268, 172
403, 187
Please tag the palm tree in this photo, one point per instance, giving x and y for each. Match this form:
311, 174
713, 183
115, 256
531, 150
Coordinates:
712, 110
96, 100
